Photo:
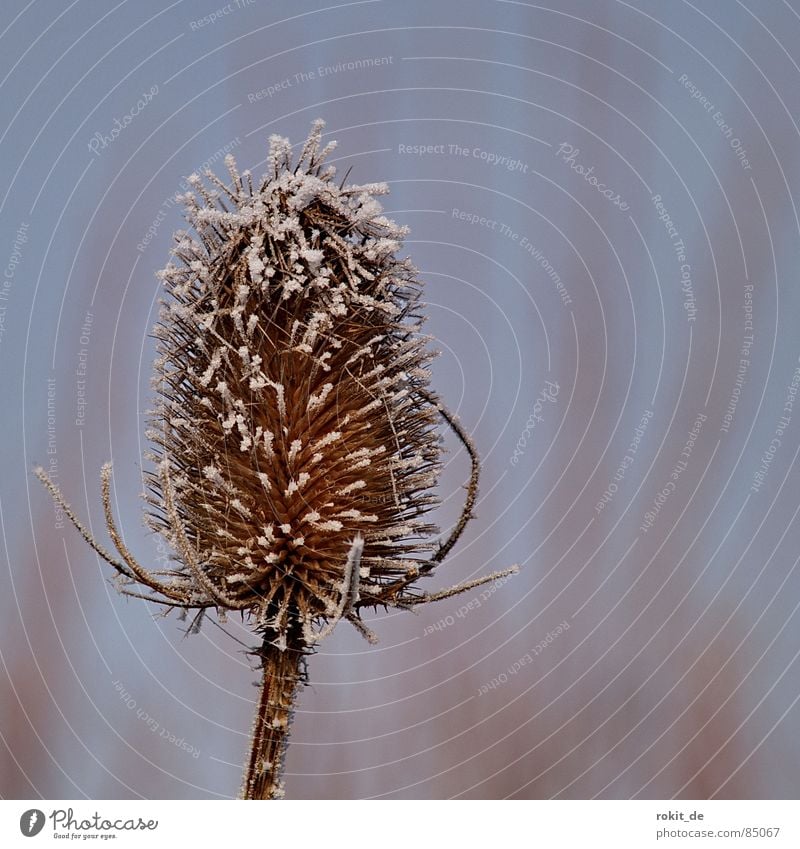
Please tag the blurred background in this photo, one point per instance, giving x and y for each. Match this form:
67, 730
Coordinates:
603, 203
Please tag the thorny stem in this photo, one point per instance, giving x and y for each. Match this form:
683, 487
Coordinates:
282, 674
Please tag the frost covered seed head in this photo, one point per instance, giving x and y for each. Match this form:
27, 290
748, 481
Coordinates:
294, 415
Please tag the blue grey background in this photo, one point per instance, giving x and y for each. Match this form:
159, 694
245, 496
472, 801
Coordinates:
677, 675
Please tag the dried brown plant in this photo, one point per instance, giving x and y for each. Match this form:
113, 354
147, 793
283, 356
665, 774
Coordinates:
295, 436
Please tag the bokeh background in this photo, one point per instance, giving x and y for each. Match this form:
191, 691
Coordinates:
603, 202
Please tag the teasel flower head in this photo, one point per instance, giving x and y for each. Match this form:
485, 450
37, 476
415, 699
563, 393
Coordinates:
295, 437
294, 412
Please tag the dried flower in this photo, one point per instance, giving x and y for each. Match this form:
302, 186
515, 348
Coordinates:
295, 437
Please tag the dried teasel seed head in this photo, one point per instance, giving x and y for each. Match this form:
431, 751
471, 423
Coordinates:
295, 432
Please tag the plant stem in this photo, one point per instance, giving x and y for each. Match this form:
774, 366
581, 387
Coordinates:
280, 681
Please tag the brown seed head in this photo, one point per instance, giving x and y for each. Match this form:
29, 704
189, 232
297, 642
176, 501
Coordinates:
294, 435
294, 413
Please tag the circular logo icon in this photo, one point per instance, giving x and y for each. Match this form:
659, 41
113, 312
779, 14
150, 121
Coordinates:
31, 822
